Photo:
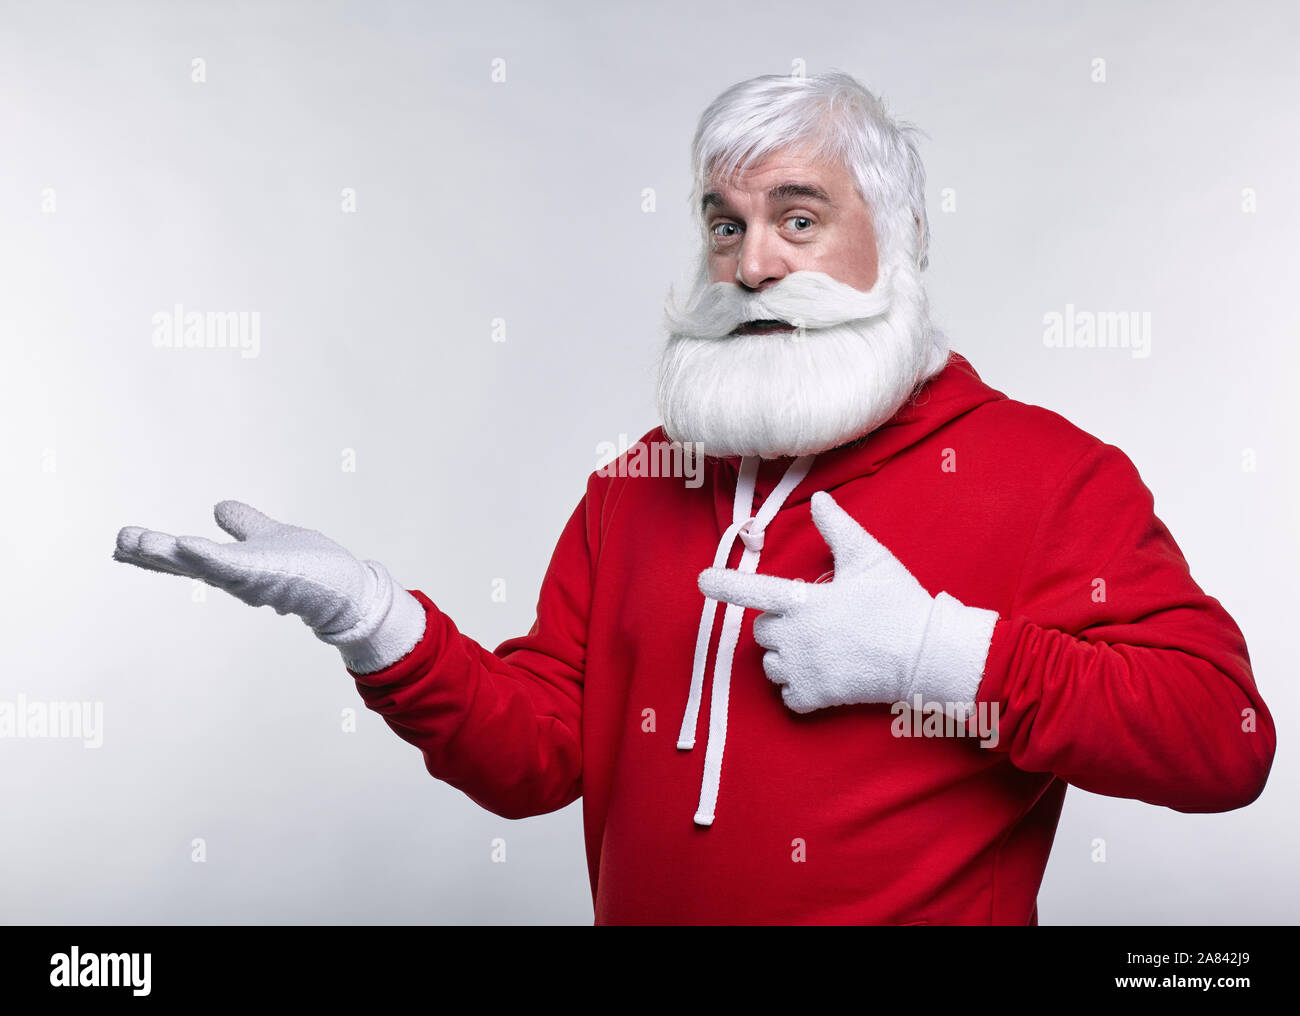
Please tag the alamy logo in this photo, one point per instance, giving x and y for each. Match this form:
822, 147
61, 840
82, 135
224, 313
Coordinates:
1084, 329
34, 718
654, 459
214, 329
73, 969
920, 718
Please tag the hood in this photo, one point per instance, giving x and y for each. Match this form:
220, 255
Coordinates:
747, 494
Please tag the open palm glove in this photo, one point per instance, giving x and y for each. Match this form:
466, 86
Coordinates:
354, 605
871, 634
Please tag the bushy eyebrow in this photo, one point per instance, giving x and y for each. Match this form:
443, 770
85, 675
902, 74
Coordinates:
780, 192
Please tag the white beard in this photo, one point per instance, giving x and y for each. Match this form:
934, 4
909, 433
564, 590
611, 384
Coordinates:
857, 359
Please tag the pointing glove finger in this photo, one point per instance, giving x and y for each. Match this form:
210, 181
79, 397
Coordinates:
761, 592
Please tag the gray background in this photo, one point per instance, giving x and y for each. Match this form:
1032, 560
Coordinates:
522, 200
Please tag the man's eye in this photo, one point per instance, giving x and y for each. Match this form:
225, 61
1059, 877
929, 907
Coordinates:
801, 218
723, 225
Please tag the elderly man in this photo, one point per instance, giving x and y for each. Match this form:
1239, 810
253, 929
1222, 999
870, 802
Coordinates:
941, 607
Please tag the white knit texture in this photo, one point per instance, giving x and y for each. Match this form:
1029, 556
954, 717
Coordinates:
351, 604
871, 634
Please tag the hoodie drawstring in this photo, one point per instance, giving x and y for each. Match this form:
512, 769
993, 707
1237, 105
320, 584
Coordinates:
750, 530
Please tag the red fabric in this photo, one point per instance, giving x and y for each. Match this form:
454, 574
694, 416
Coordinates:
828, 817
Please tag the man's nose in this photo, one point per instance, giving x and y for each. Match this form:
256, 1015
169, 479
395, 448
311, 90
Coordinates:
760, 263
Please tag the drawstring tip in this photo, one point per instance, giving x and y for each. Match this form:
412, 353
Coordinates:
686, 745
704, 820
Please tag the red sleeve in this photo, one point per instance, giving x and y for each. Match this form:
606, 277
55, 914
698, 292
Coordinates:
504, 726
1114, 671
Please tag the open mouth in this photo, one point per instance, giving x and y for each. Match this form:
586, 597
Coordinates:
762, 327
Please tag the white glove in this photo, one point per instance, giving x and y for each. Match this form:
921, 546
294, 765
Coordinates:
354, 605
871, 634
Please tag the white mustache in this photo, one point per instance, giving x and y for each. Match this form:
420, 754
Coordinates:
803, 299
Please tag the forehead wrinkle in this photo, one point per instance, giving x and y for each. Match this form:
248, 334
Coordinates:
781, 191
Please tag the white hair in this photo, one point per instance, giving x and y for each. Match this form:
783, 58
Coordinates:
837, 119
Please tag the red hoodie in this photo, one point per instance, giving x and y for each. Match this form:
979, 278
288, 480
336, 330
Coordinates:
1109, 667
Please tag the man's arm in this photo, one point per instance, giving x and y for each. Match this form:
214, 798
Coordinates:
504, 727
1114, 670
